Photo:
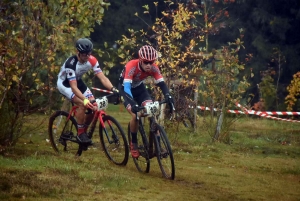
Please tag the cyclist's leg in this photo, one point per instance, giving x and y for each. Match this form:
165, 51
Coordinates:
90, 114
80, 114
67, 93
133, 125
66, 90
142, 97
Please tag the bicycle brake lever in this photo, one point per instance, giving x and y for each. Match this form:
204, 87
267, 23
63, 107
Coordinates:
137, 118
117, 102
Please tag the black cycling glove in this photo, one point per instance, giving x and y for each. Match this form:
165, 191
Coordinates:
115, 90
135, 108
170, 100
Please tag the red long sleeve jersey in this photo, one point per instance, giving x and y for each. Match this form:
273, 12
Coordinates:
133, 73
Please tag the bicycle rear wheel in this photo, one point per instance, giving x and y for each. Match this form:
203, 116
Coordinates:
164, 153
62, 131
142, 163
113, 141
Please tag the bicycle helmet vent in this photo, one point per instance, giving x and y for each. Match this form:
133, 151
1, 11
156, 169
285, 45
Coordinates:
147, 53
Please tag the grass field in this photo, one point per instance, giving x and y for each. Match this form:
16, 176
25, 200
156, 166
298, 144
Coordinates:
261, 163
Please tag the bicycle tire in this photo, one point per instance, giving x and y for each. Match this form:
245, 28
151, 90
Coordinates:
113, 141
142, 163
62, 131
164, 153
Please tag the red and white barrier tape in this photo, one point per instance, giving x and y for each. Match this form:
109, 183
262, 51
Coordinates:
253, 111
265, 114
102, 90
273, 113
276, 118
285, 113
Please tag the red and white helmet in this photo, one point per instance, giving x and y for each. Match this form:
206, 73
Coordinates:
147, 53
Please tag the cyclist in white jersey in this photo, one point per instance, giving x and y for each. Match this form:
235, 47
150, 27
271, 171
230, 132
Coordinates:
70, 84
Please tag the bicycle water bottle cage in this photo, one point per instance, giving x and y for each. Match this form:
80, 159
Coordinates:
152, 109
102, 103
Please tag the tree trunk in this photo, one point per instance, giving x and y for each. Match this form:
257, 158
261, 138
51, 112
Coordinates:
195, 109
221, 117
219, 125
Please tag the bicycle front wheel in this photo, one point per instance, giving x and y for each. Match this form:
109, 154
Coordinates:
113, 141
62, 130
164, 153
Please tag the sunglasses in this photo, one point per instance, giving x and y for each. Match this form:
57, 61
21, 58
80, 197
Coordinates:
148, 62
86, 54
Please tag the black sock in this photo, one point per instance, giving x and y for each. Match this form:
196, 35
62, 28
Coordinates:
158, 139
133, 137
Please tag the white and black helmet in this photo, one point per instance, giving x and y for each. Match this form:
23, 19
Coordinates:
84, 45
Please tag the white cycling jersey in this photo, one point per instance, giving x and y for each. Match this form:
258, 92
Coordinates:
73, 70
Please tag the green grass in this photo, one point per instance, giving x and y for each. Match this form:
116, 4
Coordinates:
261, 163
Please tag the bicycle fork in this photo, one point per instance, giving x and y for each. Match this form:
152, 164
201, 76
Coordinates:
114, 136
155, 132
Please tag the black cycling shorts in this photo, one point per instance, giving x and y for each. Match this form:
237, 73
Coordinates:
140, 95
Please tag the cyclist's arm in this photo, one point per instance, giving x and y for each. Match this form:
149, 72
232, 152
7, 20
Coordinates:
127, 77
127, 88
128, 95
162, 85
75, 90
159, 80
99, 73
104, 80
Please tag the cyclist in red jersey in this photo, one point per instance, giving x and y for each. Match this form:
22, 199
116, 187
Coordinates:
133, 90
70, 84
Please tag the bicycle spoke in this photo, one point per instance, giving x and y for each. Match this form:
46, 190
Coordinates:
113, 141
62, 133
164, 153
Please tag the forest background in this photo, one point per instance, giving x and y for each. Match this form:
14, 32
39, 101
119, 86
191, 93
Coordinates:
37, 36
270, 38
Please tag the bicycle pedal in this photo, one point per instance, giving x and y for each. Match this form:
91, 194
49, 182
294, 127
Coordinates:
84, 148
62, 141
164, 155
144, 155
152, 155
85, 144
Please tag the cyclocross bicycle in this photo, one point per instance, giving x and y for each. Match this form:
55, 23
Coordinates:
62, 130
158, 144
